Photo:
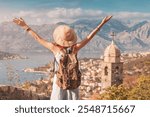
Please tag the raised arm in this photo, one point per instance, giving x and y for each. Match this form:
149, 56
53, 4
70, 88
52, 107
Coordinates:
21, 23
92, 34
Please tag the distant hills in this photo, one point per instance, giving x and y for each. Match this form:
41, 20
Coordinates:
6, 55
133, 38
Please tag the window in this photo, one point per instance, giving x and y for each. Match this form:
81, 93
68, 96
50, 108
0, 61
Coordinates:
106, 71
116, 70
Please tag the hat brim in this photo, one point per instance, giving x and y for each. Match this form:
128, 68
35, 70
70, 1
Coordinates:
65, 43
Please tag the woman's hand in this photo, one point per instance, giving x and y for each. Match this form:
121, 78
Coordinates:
20, 22
91, 35
106, 19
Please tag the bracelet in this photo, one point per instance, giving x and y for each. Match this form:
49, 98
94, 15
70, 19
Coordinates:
97, 28
27, 29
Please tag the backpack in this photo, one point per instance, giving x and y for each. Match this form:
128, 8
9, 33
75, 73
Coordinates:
68, 73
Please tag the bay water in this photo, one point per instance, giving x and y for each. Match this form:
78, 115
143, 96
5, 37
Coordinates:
12, 70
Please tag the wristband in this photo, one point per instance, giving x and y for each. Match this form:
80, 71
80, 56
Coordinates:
97, 28
27, 29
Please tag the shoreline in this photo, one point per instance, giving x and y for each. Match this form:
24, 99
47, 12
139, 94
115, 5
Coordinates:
32, 70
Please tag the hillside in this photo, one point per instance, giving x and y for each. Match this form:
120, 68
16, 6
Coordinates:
134, 67
134, 38
138, 66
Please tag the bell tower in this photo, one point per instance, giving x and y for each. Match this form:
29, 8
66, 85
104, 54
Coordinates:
112, 68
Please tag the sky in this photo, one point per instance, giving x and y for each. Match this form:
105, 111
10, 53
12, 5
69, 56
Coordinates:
53, 11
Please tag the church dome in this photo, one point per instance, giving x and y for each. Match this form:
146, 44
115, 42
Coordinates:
112, 50
112, 53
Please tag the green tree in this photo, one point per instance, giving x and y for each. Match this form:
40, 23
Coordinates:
114, 93
141, 91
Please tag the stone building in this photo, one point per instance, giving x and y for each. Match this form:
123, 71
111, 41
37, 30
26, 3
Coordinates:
112, 67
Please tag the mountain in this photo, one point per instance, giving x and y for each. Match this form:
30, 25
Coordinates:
136, 26
137, 38
133, 38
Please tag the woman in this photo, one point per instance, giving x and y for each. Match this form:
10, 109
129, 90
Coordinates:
64, 38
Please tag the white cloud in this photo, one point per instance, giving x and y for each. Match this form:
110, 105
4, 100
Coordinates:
53, 15
23, 13
132, 16
73, 13
69, 15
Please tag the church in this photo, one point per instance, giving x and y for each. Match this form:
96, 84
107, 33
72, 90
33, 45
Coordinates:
112, 67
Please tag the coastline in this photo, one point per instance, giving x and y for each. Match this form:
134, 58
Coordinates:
91, 75
11, 56
32, 70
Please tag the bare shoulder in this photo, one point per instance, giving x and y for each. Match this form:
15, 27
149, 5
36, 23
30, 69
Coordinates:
79, 45
55, 48
75, 48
